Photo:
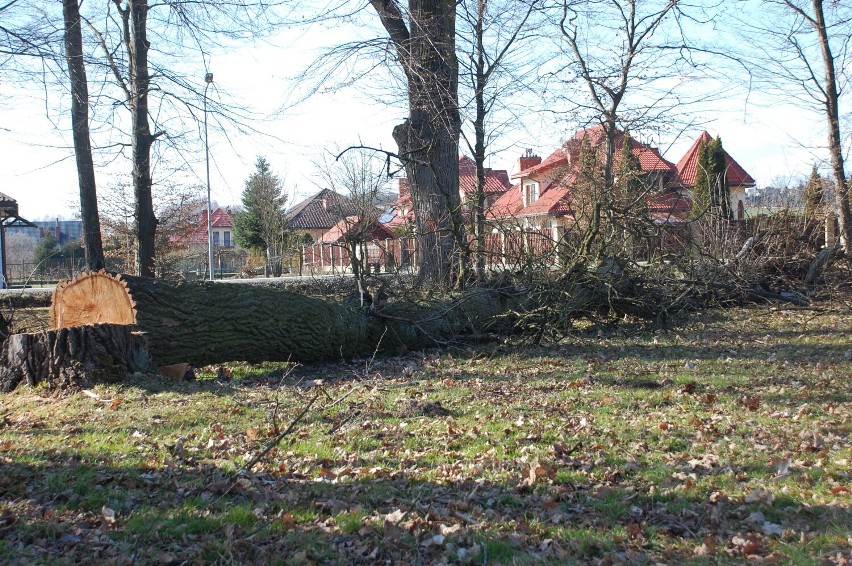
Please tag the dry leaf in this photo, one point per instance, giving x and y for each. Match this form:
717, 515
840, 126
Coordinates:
634, 530
750, 403
115, 404
288, 520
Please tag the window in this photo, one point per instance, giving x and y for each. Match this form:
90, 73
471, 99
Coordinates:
226, 238
215, 239
530, 193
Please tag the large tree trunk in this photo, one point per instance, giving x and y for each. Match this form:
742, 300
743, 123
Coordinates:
428, 139
209, 323
142, 140
835, 147
71, 357
82, 140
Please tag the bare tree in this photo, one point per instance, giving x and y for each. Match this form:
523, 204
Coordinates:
21, 34
129, 36
625, 55
493, 31
809, 48
359, 175
178, 208
625, 27
82, 139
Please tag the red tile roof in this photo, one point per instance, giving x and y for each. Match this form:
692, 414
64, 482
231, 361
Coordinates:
220, 218
554, 202
375, 230
509, 204
688, 165
669, 201
555, 159
496, 180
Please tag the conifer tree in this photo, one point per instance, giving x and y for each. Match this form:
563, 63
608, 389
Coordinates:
630, 176
46, 248
588, 196
631, 189
711, 192
262, 223
720, 192
813, 194
701, 191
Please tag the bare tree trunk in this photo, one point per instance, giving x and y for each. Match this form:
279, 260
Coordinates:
428, 139
135, 24
479, 143
835, 148
82, 140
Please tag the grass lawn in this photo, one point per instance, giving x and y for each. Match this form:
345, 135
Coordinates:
724, 439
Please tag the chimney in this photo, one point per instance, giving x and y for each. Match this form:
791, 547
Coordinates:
527, 160
403, 188
325, 204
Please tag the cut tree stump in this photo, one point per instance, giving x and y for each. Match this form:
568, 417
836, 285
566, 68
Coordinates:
205, 323
72, 357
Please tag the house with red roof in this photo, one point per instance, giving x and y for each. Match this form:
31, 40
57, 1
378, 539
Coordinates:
364, 229
222, 224
496, 184
738, 179
545, 194
319, 213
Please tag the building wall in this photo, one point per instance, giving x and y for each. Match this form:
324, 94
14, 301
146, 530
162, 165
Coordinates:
738, 195
316, 234
223, 237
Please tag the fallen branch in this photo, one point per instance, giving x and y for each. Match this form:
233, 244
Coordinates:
280, 437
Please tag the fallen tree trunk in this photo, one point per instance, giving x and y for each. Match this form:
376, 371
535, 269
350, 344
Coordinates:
209, 323
71, 357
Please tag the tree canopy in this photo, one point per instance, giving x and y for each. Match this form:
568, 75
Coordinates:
262, 222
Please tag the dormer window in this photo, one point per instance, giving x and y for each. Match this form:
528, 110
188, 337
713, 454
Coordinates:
530, 192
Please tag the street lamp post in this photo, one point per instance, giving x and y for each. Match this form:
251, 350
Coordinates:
208, 78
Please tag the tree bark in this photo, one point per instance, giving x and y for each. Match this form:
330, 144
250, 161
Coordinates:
71, 357
208, 323
135, 31
480, 80
835, 147
82, 139
428, 139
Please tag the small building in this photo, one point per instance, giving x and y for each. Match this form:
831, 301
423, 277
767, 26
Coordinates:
63, 231
547, 193
319, 213
222, 227
739, 181
496, 184
8, 219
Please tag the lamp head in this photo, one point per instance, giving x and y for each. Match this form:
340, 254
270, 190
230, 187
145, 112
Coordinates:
208, 78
